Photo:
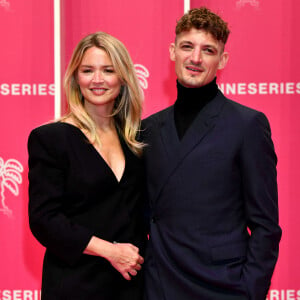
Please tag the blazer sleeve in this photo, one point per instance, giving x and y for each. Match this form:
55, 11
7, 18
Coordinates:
258, 163
48, 223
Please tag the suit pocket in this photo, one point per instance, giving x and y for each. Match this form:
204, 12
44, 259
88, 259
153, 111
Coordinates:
229, 252
229, 260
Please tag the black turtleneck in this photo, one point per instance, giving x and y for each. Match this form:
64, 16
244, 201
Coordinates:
189, 103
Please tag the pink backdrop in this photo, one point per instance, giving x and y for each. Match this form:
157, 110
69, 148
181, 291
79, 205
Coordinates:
262, 73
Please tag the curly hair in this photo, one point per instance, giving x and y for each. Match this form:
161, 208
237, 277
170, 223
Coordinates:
203, 18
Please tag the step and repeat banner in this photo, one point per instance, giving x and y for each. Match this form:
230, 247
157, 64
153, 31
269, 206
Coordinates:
26, 100
262, 73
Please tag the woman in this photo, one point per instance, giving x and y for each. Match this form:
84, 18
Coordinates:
85, 179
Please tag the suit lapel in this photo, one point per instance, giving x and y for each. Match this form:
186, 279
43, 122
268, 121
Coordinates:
202, 125
177, 150
169, 136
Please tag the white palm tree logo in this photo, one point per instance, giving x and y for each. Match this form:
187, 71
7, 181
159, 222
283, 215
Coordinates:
4, 4
10, 177
142, 74
253, 3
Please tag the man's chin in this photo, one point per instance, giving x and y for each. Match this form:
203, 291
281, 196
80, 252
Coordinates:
191, 84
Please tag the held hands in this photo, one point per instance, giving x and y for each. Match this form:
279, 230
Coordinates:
125, 259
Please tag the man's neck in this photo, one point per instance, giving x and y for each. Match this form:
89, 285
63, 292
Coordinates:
190, 102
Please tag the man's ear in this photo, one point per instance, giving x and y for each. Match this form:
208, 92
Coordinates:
172, 51
223, 60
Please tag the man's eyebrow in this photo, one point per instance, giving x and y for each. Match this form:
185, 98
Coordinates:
185, 42
210, 46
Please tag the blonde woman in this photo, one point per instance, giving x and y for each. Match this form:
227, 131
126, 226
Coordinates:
86, 179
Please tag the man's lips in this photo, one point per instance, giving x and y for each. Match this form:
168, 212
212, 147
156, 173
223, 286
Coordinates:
194, 69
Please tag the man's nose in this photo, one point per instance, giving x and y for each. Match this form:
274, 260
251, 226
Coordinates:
196, 57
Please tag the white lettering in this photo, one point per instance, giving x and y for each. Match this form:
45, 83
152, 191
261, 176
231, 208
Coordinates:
20, 294
281, 88
26, 89
34, 89
298, 88
274, 295
27, 295
288, 294
252, 90
4, 89
52, 89
6, 295
273, 88
290, 88
15, 89
221, 87
261, 88
231, 89
42, 89
17, 295
242, 89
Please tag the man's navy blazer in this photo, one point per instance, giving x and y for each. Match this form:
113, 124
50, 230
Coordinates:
214, 230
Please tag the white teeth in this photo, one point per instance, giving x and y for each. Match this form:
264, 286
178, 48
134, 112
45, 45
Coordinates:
98, 91
195, 70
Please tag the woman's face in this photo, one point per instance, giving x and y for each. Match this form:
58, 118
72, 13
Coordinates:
97, 79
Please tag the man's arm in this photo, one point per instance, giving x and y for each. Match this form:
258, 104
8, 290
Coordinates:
258, 164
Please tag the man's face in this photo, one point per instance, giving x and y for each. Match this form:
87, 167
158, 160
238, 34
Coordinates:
198, 56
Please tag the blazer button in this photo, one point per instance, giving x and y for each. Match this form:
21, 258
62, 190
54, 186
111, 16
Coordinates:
153, 220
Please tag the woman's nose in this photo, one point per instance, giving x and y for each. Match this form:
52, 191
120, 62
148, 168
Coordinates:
97, 77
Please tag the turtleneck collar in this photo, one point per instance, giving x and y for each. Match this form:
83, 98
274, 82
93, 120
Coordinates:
195, 98
189, 103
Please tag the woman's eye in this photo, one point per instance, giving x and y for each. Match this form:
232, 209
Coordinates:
109, 70
86, 71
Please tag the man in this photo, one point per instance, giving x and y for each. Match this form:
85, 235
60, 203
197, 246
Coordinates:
211, 181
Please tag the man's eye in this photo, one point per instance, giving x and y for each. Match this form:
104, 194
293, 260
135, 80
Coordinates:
209, 50
186, 47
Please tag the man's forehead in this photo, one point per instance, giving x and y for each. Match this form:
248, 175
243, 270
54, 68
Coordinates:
198, 36
195, 34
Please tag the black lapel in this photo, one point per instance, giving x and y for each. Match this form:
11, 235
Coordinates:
202, 125
176, 149
169, 135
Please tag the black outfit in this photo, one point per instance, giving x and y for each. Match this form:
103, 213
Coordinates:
189, 103
211, 175
73, 195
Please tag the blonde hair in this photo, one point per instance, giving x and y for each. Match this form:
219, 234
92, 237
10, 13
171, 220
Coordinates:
128, 105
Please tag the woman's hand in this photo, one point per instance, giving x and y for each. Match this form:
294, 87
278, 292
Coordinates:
125, 259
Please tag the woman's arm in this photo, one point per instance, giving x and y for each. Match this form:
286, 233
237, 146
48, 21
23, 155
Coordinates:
123, 257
